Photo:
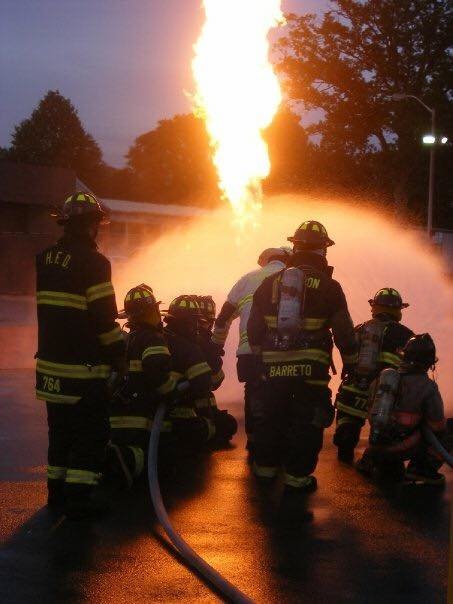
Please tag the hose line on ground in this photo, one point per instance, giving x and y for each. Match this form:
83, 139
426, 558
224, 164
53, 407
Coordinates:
229, 591
434, 442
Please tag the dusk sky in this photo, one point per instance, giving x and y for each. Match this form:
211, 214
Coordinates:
123, 63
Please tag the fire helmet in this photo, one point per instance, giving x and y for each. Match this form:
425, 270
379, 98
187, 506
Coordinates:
81, 205
184, 307
274, 253
420, 351
388, 297
138, 301
207, 307
311, 235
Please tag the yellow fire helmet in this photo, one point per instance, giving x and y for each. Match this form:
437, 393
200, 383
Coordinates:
139, 302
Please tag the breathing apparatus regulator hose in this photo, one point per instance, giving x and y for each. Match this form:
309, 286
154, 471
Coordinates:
439, 448
229, 591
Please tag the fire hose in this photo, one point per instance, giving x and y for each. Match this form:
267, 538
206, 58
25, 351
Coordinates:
229, 591
439, 448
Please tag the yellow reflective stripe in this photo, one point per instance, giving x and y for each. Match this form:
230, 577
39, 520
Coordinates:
212, 401
135, 366
129, 422
310, 354
102, 290
52, 298
264, 471
81, 372
350, 358
82, 477
139, 459
109, 337
271, 321
218, 377
50, 397
243, 301
167, 386
152, 350
312, 324
176, 375
318, 382
347, 420
359, 391
243, 337
56, 473
296, 481
196, 370
351, 410
390, 358
182, 413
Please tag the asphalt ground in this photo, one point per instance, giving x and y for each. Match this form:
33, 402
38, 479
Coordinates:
362, 545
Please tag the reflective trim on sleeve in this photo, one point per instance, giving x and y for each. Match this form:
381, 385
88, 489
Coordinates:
390, 358
109, 337
129, 422
168, 386
309, 354
50, 397
139, 459
196, 370
243, 301
135, 366
64, 299
218, 378
82, 477
296, 481
264, 471
313, 324
243, 337
154, 350
81, 372
56, 473
102, 290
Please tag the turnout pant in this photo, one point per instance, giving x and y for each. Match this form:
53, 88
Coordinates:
78, 435
246, 371
347, 431
286, 428
352, 410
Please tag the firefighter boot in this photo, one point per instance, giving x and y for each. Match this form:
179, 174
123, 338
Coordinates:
81, 504
225, 428
422, 474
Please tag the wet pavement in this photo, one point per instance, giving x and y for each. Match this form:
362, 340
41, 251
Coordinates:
363, 545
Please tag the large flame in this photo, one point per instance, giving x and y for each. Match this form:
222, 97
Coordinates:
237, 94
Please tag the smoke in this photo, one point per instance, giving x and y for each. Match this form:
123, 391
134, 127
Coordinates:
371, 251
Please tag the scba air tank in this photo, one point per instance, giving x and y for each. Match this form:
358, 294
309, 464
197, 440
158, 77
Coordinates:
370, 348
290, 307
383, 403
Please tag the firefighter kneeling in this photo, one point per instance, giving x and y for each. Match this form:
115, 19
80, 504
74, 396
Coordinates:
380, 340
405, 401
293, 315
225, 424
149, 379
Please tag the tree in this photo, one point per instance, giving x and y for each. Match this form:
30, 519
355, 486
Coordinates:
288, 151
54, 135
350, 62
172, 163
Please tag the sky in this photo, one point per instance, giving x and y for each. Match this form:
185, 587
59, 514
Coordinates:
124, 64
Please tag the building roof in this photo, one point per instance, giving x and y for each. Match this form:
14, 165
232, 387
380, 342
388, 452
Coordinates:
35, 185
118, 206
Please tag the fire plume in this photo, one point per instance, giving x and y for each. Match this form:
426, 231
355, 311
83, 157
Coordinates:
237, 94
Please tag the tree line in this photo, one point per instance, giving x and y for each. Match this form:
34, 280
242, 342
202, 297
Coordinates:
344, 66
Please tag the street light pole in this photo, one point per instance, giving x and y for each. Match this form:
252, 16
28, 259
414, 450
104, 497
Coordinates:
432, 111
429, 224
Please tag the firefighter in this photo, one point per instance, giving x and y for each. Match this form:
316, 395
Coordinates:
189, 364
225, 424
293, 316
238, 304
79, 344
149, 379
380, 340
404, 401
